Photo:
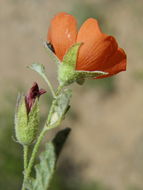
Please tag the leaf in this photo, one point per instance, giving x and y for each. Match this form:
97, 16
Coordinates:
39, 68
51, 54
59, 108
46, 168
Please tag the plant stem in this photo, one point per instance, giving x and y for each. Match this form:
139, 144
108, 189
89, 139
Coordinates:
59, 89
35, 150
50, 86
25, 157
32, 159
23, 188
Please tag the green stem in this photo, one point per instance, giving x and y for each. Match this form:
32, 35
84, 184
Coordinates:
50, 86
35, 150
59, 89
23, 188
32, 159
23, 185
25, 156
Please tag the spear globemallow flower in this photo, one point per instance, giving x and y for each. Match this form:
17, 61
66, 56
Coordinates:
98, 51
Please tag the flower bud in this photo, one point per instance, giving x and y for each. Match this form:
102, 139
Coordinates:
27, 116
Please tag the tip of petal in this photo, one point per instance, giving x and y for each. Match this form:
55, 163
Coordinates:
93, 21
61, 14
89, 30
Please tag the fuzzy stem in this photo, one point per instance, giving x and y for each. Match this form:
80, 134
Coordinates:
25, 156
23, 188
50, 86
32, 159
59, 89
35, 150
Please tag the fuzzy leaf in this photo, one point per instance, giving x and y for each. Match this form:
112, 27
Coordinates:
60, 108
46, 168
40, 69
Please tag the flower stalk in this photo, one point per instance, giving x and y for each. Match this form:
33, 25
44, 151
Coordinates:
25, 150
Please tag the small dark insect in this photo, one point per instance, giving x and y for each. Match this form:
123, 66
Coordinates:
50, 46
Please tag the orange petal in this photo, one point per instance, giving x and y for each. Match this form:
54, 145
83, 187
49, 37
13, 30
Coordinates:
62, 33
93, 54
89, 31
116, 63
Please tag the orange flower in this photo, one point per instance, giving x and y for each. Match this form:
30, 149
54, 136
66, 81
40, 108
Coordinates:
99, 51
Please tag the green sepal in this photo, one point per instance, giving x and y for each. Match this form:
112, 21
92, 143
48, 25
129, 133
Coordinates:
47, 165
90, 74
33, 121
21, 119
70, 57
67, 73
59, 109
26, 125
82, 75
80, 81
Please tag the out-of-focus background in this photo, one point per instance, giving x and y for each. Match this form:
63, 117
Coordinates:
105, 148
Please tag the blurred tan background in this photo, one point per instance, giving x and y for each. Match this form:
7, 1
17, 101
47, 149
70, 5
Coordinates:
106, 143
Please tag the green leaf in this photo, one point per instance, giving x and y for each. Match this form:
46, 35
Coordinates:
39, 68
59, 108
51, 54
46, 168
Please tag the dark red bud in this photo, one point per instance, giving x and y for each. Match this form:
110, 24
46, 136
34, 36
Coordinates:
33, 93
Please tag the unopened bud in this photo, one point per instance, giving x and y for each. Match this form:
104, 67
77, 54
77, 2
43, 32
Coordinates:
27, 116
